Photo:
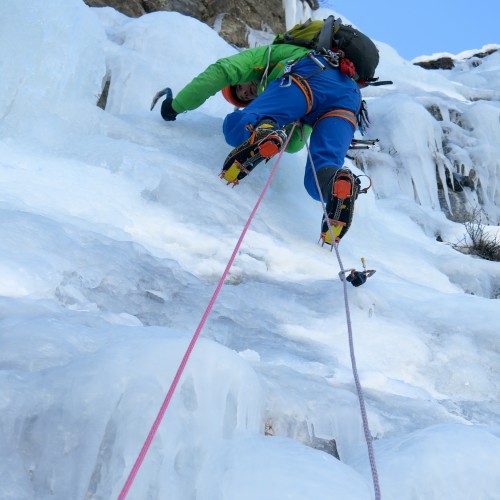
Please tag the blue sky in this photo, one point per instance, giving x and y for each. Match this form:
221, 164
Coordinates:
427, 26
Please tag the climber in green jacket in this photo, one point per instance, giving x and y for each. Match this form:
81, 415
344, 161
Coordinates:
275, 87
249, 69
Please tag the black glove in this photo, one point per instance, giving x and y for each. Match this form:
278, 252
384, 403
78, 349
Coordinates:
168, 113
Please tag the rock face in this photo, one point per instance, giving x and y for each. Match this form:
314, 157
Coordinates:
449, 62
136, 8
440, 63
231, 20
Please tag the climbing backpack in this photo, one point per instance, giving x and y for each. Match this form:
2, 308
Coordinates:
331, 35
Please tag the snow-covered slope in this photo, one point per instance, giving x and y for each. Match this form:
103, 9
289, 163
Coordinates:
115, 229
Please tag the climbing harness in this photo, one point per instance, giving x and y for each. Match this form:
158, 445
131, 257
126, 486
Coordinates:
334, 60
301, 81
288, 76
339, 113
304, 86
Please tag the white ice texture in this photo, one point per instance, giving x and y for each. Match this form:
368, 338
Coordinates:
115, 229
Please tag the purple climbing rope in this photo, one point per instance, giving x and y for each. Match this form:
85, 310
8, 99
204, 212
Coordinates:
359, 389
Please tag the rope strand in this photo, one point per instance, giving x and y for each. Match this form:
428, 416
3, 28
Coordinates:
145, 447
359, 389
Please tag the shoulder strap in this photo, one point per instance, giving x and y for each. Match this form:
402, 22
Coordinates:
330, 27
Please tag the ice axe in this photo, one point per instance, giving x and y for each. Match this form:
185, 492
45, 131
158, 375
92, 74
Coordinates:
166, 91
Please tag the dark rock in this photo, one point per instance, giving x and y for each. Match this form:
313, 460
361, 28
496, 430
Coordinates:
441, 63
485, 53
234, 18
131, 8
435, 111
449, 63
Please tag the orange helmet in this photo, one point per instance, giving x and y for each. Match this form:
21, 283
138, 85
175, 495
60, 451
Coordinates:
230, 96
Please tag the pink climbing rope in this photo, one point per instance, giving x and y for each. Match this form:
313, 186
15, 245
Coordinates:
145, 447
359, 389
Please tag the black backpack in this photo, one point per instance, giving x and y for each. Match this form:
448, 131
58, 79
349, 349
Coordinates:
331, 34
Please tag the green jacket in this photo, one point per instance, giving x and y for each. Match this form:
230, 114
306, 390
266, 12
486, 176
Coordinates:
246, 66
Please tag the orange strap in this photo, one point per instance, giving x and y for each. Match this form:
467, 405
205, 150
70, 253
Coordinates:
301, 82
340, 113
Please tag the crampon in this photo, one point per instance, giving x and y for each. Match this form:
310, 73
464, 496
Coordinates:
266, 141
342, 194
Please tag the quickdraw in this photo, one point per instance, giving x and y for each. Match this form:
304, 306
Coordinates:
301, 81
357, 278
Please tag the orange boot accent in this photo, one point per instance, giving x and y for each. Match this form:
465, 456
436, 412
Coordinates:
268, 149
342, 189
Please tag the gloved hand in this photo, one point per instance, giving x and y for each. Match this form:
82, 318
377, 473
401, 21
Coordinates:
168, 113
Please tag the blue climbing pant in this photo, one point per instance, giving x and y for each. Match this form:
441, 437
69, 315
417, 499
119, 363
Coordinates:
331, 135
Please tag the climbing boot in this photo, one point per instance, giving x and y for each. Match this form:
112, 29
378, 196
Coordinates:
342, 191
266, 140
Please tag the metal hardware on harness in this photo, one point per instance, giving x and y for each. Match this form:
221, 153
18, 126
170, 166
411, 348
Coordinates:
286, 78
332, 58
316, 60
301, 81
344, 272
322, 67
